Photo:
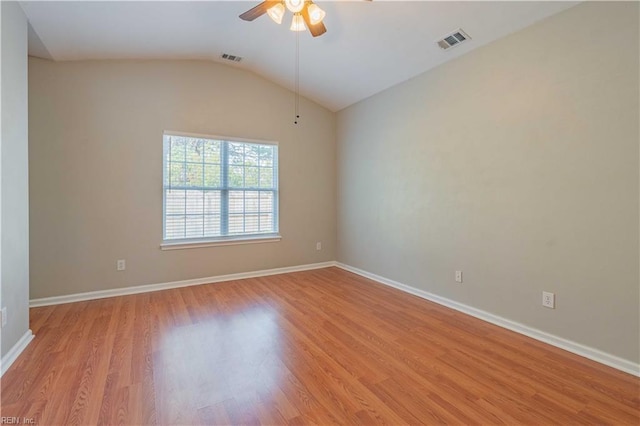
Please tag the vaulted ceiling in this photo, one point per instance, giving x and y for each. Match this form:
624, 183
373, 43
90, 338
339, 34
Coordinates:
368, 47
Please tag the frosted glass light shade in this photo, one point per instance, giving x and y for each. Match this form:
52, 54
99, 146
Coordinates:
297, 23
316, 15
276, 13
294, 6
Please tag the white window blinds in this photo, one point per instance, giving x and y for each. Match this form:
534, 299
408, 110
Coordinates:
218, 189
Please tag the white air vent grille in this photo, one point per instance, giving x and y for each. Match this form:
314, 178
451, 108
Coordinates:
453, 39
232, 58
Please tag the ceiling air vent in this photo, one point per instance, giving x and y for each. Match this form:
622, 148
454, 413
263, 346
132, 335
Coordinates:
454, 39
232, 58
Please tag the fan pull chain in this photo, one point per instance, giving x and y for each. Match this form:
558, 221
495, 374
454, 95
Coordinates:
297, 82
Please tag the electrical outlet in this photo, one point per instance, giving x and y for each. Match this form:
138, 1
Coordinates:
548, 300
318, 246
458, 276
4, 316
121, 265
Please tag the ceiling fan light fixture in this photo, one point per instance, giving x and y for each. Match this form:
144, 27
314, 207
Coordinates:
294, 6
316, 15
297, 23
276, 13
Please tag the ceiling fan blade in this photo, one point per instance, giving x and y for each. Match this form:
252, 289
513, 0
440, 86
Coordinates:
259, 10
317, 29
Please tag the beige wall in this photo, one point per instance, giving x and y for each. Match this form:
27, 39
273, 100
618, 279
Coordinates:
516, 163
96, 170
14, 187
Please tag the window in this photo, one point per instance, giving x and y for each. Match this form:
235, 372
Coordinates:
219, 190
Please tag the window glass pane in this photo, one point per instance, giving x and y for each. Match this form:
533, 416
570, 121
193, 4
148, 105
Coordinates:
236, 153
236, 224
266, 156
251, 175
266, 177
212, 152
212, 225
174, 227
212, 202
236, 202
266, 222
194, 227
174, 202
251, 203
194, 203
266, 202
194, 175
212, 176
177, 148
177, 174
251, 223
251, 155
195, 149
236, 176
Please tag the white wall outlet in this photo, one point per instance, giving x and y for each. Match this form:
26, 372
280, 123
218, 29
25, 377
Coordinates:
318, 246
458, 276
4, 316
548, 300
121, 265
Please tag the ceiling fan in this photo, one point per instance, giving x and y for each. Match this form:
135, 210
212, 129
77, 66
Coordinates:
306, 14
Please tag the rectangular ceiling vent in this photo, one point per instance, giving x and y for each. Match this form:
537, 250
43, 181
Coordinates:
454, 39
232, 58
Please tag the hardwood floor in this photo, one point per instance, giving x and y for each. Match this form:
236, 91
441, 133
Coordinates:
315, 347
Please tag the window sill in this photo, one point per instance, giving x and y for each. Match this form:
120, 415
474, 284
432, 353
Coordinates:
180, 245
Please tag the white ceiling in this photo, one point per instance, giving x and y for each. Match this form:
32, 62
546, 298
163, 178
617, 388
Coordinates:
368, 47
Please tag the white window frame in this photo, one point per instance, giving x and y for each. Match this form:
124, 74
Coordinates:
186, 243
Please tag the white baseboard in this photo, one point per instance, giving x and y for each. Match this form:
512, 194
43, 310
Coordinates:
568, 345
102, 294
15, 351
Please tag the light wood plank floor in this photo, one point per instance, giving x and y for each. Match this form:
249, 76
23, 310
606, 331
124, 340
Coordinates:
314, 347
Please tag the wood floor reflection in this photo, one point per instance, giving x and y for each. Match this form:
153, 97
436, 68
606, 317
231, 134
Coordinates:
314, 347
